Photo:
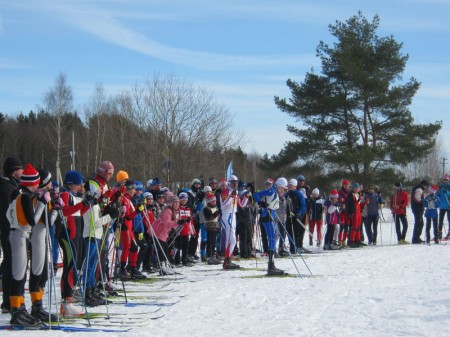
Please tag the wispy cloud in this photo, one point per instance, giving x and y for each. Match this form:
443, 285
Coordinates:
105, 26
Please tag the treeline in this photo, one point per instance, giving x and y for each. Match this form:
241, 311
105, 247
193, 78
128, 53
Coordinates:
163, 128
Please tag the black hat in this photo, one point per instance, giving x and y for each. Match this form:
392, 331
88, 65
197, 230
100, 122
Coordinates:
129, 184
10, 165
398, 184
45, 176
423, 183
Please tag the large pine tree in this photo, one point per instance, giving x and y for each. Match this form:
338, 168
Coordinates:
354, 116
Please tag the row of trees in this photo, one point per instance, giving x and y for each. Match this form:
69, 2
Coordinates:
164, 127
353, 122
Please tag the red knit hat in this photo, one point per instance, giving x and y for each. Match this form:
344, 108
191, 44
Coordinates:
211, 198
30, 176
334, 194
432, 189
345, 182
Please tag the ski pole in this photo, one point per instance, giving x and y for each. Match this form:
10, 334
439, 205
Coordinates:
290, 255
69, 243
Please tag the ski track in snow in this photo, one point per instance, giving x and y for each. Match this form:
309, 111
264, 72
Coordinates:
387, 290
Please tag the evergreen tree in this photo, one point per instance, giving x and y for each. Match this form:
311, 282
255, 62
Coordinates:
355, 117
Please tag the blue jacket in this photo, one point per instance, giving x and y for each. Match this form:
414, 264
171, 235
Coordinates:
270, 196
431, 203
444, 195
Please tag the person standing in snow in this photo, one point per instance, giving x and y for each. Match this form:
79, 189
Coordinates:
244, 221
268, 213
304, 189
130, 248
182, 241
160, 230
12, 170
73, 208
315, 211
343, 192
372, 203
444, 196
417, 207
211, 213
431, 203
296, 209
95, 219
398, 203
332, 218
228, 204
353, 209
24, 215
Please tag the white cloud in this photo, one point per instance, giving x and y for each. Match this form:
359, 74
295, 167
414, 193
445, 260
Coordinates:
101, 23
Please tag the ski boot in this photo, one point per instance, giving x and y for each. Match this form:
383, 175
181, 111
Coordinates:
38, 312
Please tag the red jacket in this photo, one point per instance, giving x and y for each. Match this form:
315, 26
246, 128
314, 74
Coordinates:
399, 201
128, 212
188, 229
70, 210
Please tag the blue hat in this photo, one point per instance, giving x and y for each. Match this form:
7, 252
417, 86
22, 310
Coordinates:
156, 181
139, 186
355, 185
301, 178
73, 178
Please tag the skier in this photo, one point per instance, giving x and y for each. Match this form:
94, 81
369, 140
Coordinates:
296, 215
24, 212
95, 219
332, 218
398, 203
431, 203
211, 213
228, 205
269, 207
353, 209
417, 207
343, 192
372, 203
315, 211
130, 248
72, 209
444, 196
186, 232
12, 170
160, 229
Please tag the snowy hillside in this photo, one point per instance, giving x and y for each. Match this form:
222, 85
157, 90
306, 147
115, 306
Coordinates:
387, 290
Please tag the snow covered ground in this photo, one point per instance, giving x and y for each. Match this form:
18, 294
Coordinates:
387, 290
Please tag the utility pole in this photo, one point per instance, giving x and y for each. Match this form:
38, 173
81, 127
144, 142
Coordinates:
443, 162
72, 153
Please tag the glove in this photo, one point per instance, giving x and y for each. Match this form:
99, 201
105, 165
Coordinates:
43, 197
216, 213
140, 207
113, 212
263, 204
181, 222
141, 236
58, 204
89, 200
188, 219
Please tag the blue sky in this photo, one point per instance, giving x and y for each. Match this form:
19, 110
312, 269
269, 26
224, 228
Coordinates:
242, 51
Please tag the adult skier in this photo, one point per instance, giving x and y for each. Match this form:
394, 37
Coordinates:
269, 207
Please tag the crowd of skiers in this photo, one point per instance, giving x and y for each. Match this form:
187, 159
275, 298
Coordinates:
128, 230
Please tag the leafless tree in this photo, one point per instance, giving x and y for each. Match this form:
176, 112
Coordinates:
58, 102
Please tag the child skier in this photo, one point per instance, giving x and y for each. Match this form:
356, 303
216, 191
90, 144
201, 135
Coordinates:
431, 203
